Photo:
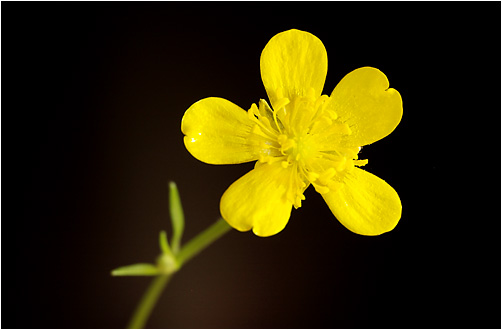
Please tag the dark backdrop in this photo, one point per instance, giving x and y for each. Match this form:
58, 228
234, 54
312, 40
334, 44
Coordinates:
93, 96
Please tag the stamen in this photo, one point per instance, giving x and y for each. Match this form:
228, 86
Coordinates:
319, 107
262, 122
311, 176
320, 189
252, 112
285, 143
262, 130
281, 103
279, 106
360, 162
321, 101
264, 158
304, 134
327, 175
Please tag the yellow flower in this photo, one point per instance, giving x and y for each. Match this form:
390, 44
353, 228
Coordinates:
305, 139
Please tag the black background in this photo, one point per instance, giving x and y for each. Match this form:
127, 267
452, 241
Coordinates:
93, 96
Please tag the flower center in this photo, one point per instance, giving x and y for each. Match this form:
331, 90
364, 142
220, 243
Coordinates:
306, 136
296, 148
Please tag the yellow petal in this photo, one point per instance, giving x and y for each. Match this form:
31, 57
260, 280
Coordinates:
216, 132
364, 101
292, 63
365, 204
258, 200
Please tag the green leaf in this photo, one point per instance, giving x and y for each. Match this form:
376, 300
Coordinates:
136, 270
164, 245
177, 217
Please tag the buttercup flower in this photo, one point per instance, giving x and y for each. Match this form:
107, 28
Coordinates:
304, 139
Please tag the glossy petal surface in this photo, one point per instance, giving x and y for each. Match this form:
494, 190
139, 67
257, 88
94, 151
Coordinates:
216, 132
364, 101
305, 139
293, 62
365, 204
258, 200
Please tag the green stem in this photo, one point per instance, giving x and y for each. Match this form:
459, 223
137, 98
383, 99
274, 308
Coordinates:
148, 302
187, 252
201, 241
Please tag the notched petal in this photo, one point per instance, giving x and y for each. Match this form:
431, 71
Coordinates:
364, 101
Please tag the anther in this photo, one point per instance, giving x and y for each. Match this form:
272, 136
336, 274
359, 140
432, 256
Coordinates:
360, 162
252, 112
281, 103
321, 189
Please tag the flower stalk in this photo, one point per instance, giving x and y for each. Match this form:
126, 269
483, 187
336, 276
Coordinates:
148, 301
201, 241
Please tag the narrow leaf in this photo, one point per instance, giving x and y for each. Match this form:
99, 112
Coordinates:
177, 217
136, 270
164, 245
